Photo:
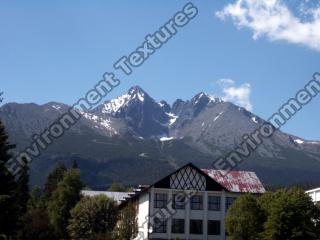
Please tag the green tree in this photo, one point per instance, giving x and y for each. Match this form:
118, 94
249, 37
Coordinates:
75, 164
35, 223
117, 187
104, 236
290, 215
286, 214
244, 220
53, 180
128, 225
8, 205
63, 199
22, 190
93, 216
35, 199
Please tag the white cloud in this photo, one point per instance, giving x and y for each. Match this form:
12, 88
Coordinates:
273, 19
225, 81
239, 95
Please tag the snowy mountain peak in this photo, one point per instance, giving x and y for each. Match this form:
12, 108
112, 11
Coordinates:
201, 129
165, 106
135, 93
136, 89
115, 104
204, 97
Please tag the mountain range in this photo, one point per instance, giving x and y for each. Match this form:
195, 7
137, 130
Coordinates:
134, 139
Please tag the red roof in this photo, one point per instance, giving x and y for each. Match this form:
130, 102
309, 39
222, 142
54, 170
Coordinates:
237, 181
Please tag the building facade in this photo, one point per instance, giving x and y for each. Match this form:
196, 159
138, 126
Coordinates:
314, 194
117, 196
190, 203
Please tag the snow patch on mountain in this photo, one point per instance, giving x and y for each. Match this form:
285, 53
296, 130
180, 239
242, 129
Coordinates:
143, 154
161, 104
215, 99
216, 118
299, 141
99, 122
116, 104
140, 96
173, 118
254, 119
57, 107
163, 139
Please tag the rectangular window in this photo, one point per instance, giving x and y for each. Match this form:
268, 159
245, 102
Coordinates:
177, 226
159, 225
214, 203
196, 202
178, 201
160, 200
229, 202
195, 226
214, 227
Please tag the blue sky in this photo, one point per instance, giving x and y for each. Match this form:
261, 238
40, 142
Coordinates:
57, 50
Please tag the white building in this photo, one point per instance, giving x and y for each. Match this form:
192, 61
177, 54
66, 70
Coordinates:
314, 194
117, 196
190, 203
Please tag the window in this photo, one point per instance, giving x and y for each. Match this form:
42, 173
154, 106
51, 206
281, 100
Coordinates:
213, 227
229, 202
214, 203
159, 225
178, 201
195, 226
177, 226
196, 202
160, 200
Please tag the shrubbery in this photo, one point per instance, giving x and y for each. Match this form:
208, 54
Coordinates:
93, 216
284, 214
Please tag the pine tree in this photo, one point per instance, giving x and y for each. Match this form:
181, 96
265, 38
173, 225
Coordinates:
53, 180
35, 223
8, 205
22, 191
75, 164
63, 199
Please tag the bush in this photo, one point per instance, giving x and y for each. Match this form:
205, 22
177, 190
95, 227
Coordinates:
36, 225
285, 214
290, 215
128, 225
244, 219
93, 216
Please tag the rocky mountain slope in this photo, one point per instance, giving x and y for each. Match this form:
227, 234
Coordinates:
135, 139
